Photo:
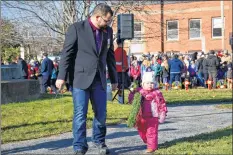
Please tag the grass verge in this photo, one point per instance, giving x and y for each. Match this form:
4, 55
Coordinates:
48, 116
218, 142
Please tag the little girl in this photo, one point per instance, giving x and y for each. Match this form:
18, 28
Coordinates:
152, 112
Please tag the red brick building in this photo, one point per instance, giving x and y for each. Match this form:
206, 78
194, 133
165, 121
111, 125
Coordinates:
188, 26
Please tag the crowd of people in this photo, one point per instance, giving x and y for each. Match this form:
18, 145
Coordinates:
45, 71
197, 68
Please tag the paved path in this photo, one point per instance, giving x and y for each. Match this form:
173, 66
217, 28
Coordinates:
182, 121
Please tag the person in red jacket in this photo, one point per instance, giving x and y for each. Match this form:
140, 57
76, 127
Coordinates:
120, 70
118, 57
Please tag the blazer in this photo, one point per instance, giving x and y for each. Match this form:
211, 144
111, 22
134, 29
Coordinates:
80, 47
47, 67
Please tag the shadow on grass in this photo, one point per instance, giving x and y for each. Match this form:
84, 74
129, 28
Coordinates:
43, 97
53, 96
32, 124
57, 121
202, 137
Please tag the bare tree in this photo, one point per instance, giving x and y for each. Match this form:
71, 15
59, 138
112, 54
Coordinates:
54, 17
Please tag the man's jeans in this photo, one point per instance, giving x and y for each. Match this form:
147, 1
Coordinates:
45, 82
213, 76
98, 98
200, 77
174, 77
205, 78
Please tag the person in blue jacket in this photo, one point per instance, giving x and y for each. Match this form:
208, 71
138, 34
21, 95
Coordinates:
46, 71
176, 66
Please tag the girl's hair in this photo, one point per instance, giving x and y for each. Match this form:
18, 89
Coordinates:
165, 64
146, 63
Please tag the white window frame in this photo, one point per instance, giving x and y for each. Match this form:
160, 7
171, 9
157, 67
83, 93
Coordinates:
212, 27
138, 32
195, 28
177, 30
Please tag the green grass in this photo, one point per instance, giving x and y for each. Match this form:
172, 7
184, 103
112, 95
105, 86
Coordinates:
224, 106
218, 142
197, 96
48, 116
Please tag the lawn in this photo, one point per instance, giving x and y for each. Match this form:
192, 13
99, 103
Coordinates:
49, 116
198, 96
224, 106
218, 142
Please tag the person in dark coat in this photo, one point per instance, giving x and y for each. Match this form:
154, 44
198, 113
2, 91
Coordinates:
23, 67
200, 74
213, 64
176, 66
46, 71
91, 40
194, 56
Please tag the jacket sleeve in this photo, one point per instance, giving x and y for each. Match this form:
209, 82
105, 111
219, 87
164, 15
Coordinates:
138, 71
43, 66
69, 51
111, 62
162, 108
217, 62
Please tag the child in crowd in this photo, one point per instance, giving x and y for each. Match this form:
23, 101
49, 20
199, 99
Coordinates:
165, 71
152, 112
229, 76
192, 69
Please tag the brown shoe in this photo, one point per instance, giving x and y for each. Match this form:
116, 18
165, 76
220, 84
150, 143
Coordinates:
149, 151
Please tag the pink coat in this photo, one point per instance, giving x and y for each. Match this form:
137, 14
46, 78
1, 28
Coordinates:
154, 104
147, 123
135, 71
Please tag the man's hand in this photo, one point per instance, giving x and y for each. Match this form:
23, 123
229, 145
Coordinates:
59, 83
114, 86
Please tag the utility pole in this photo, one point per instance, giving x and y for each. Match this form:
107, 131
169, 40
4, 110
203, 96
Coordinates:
223, 25
161, 25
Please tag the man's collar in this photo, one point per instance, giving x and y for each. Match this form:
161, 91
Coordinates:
94, 28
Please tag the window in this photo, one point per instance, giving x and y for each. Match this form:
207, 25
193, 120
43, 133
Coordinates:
136, 48
194, 29
137, 31
216, 27
172, 30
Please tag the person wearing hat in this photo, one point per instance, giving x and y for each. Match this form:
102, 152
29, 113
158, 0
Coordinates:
213, 64
152, 112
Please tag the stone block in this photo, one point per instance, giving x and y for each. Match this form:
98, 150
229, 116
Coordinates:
19, 90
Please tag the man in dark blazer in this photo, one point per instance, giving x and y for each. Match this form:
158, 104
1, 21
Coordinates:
46, 71
90, 42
